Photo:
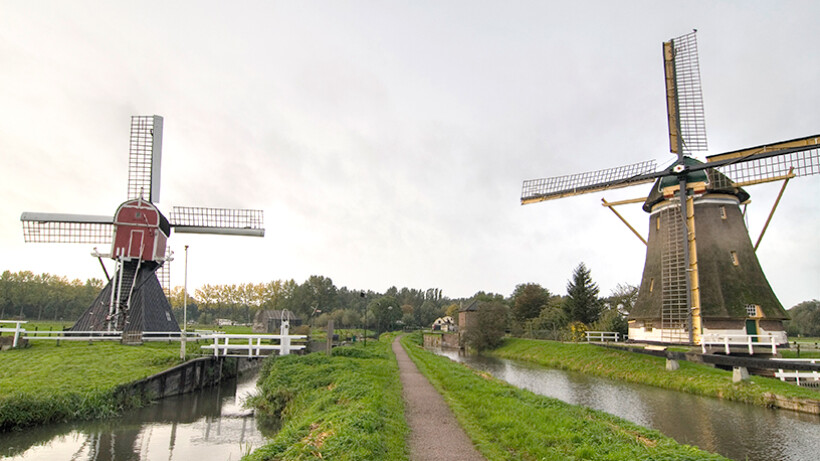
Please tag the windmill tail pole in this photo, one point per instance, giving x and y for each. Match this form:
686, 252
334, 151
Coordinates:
774, 207
611, 206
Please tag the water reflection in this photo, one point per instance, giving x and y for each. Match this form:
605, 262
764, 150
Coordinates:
735, 430
207, 425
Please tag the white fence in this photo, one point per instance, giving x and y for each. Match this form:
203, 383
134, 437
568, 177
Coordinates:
810, 378
16, 330
603, 336
749, 341
224, 345
238, 345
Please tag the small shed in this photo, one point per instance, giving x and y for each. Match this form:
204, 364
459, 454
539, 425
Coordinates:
268, 321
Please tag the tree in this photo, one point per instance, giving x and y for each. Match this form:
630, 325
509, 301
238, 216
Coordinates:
385, 311
528, 300
491, 323
805, 319
623, 297
582, 303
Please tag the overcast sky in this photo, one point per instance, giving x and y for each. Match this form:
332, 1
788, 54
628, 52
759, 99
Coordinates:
386, 142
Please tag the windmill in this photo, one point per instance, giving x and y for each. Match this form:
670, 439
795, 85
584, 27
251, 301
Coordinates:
701, 274
133, 301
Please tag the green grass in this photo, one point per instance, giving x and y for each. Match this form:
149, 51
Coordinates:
47, 383
345, 407
508, 423
646, 369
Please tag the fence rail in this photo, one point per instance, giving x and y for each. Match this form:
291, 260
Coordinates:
224, 345
251, 345
810, 378
603, 336
749, 341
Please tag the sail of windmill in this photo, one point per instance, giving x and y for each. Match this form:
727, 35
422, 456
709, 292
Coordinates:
133, 301
701, 274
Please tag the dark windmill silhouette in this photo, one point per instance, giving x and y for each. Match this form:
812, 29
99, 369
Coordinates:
701, 275
133, 301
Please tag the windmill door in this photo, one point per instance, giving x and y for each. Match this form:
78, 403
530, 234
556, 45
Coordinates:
135, 243
751, 329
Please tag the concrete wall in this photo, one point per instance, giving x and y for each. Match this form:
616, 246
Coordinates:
187, 377
438, 340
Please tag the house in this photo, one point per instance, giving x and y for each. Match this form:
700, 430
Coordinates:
445, 324
268, 321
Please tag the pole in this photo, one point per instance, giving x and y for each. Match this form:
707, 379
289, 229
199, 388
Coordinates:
184, 309
364, 330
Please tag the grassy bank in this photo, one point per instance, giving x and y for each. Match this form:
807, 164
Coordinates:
645, 369
345, 407
508, 423
48, 383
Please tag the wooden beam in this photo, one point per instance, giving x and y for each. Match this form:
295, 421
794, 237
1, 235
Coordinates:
753, 182
610, 206
774, 207
624, 202
813, 140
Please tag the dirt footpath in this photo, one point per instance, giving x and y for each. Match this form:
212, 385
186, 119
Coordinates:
434, 432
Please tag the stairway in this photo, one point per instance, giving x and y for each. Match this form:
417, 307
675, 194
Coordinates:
124, 283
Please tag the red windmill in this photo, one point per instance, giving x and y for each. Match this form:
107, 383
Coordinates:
133, 301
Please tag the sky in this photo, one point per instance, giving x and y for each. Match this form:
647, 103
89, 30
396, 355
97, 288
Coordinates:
387, 142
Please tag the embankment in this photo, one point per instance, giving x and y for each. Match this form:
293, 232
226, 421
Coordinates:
632, 367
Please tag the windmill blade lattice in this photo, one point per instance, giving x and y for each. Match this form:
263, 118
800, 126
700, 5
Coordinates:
200, 220
66, 228
539, 190
684, 98
145, 157
767, 163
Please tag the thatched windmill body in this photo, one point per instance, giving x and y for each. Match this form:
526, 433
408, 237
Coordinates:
133, 300
701, 275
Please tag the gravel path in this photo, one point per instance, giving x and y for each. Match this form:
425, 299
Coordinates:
434, 431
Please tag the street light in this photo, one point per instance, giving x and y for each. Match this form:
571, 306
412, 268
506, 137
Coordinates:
184, 308
364, 330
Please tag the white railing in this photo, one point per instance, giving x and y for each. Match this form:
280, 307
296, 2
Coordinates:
813, 376
603, 336
239, 345
16, 330
749, 341
224, 345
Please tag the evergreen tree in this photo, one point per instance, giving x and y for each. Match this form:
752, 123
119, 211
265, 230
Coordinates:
582, 303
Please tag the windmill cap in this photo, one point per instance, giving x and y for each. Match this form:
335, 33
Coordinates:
716, 182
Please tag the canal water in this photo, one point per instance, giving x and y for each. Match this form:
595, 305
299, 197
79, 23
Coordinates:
735, 430
211, 424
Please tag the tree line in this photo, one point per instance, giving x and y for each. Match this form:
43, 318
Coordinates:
529, 311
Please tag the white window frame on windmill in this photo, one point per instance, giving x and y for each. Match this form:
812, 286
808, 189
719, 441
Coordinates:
753, 311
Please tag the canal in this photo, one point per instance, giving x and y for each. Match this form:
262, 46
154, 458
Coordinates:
735, 430
211, 424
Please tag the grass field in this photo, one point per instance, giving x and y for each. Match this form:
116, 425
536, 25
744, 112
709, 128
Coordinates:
645, 369
345, 407
508, 423
47, 383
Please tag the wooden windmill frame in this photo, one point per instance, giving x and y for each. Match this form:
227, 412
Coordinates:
720, 180
133, 300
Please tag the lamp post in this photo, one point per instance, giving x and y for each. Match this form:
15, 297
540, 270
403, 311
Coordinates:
184, 308
364, 330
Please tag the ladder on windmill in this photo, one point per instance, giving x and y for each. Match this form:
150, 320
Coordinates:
674, 306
